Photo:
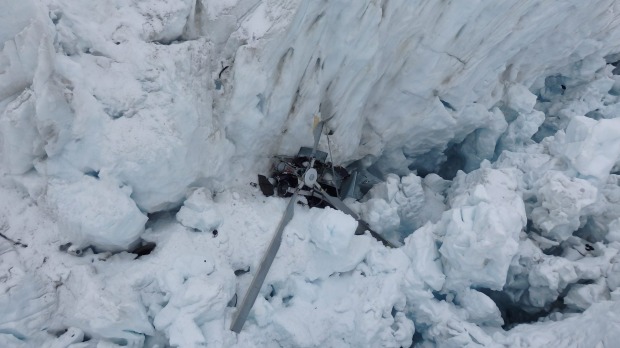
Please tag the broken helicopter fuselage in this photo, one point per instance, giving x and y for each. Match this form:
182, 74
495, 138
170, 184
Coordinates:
337, 181
331, 186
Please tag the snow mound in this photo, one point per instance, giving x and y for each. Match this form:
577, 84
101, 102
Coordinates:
199, 212
331, 230
96, 212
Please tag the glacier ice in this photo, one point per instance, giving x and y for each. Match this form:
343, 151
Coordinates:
493, 125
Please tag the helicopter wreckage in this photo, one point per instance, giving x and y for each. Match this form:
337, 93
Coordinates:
322, 183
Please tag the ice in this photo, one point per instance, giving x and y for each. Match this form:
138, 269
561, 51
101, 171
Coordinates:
22, 35
546, 277
482, 229
332, 230
582, 296
103, 308
96, 212
563, 201
381, 216
169, 101
598, 326
521, 130
165, 22
198, 295
614, 231
199, 212
398, 206
22, 143
493, 127
425, 259
480, 308
27, 301
593, 147
520, 99
480, 145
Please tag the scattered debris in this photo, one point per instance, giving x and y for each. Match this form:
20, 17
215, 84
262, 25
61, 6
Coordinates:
241, 271
219, 76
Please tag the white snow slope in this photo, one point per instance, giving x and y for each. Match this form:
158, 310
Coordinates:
495, 126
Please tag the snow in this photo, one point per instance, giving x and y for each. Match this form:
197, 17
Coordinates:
562, 202
332, 230
199, 212
493, 126
96, 212
598, 323
593, 147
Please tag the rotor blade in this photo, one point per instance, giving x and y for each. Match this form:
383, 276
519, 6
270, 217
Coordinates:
337, 203
263, 269
317, 131
363, 226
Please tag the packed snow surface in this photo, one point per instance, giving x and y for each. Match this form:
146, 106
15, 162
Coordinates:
494, 127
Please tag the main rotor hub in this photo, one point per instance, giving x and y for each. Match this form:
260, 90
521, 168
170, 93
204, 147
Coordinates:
310, 177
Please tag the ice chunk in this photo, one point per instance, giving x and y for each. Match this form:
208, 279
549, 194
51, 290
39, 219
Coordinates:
386, 190
380, 215
521, 130
480, 308
482, 229
96, 212
193, 302
20, 47
445, 322
593, 147
478, 247
425, 258
331, 230
397, 207
562, 203
106, 306
582, 296
548, 279
200, 212
520, 99
22, 143
596, 327
164, 22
